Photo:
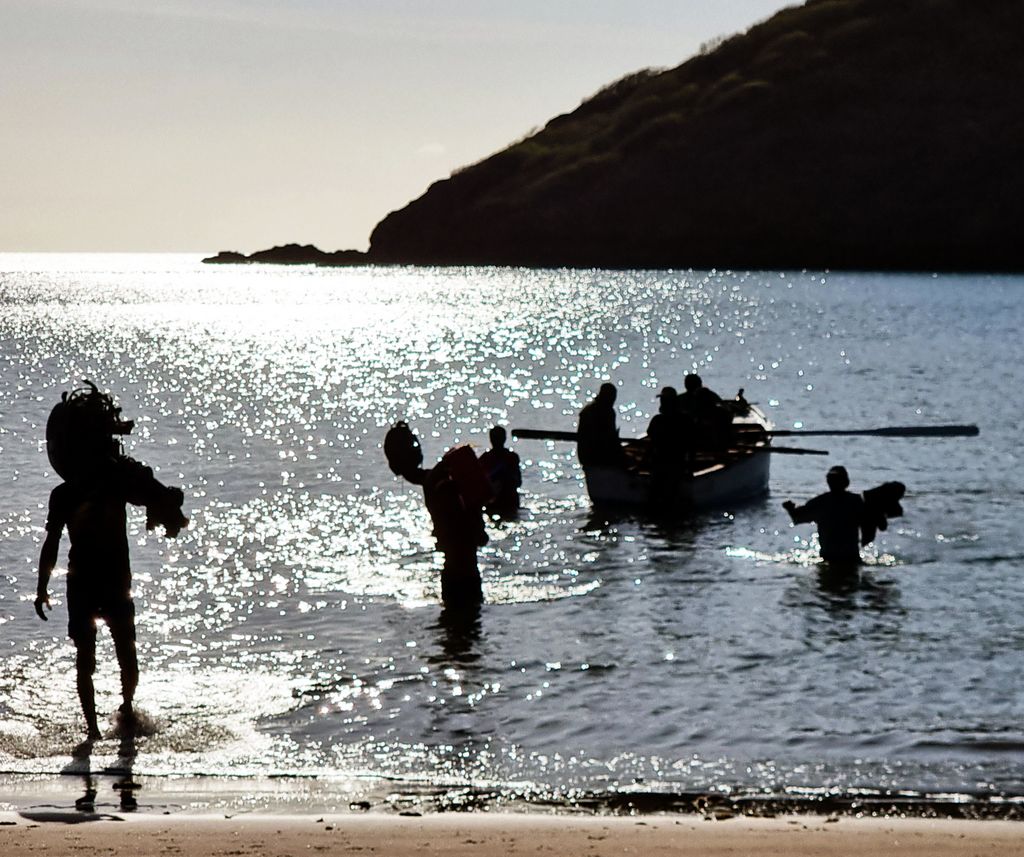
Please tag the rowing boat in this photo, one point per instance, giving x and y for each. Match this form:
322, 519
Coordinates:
717, 479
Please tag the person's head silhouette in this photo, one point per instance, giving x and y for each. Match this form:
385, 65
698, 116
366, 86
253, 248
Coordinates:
837, 478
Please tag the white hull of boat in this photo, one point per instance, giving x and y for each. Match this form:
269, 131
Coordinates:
712, 488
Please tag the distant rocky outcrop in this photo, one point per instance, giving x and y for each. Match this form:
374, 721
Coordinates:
878, 134
291, 254
227, 257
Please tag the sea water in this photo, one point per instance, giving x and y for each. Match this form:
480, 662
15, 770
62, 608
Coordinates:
295, 630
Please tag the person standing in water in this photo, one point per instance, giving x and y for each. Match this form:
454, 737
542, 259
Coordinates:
454, 491
99, 481
839, 515
502, 467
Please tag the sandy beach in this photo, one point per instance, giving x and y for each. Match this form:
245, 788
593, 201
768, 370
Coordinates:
497, 834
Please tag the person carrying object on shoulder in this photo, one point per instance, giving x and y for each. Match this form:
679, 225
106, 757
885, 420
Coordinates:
99, 480
454, 491
839, 514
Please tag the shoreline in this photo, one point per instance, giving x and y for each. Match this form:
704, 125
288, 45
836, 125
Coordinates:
138, 794
501, 834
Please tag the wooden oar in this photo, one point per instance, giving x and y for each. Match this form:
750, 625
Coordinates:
551, 434
890, 431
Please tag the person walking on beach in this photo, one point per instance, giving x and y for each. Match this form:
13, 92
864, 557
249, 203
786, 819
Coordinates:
502, 467
99, 481
454, 491
839, 515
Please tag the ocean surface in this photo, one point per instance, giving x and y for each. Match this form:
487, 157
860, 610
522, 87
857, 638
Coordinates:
295, 631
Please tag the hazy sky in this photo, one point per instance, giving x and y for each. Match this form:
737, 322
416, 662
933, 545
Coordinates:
236, 124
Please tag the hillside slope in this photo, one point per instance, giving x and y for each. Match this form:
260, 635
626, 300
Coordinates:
842, 133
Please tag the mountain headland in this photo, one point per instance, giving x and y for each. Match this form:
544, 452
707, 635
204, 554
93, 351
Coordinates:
843, 134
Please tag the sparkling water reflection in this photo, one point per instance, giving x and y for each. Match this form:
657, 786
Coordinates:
295, 627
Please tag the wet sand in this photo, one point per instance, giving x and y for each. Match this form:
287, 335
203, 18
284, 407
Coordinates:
497, 834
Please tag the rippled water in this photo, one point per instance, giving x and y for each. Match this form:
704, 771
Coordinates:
295, 627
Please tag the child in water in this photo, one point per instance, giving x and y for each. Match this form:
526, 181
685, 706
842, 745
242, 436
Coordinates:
99, 480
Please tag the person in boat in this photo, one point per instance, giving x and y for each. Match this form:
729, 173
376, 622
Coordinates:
99, 480
502, 467
709, 418
839, 514
669, 436
454, 499
597, 436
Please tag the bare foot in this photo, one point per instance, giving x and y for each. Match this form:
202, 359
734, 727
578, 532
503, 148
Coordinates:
87, 802
126, 718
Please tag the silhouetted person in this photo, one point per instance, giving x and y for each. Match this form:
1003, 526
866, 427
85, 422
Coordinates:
697, 398
99, 481
709, 418
455, 505
502, 467
838, 514
670, 453
597, 436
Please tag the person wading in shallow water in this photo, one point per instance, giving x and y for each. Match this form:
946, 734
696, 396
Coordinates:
502, 467
98, 481
839, 515
846, 520
454, 490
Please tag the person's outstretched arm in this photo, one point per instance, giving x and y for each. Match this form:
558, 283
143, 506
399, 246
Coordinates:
799, 514
47, 561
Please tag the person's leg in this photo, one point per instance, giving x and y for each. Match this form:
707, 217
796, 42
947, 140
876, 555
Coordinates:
121, 623
82, 631
460, 577
85, 666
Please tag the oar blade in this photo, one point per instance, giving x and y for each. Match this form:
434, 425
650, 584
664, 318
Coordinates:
543, 434
888, 431
930, 431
